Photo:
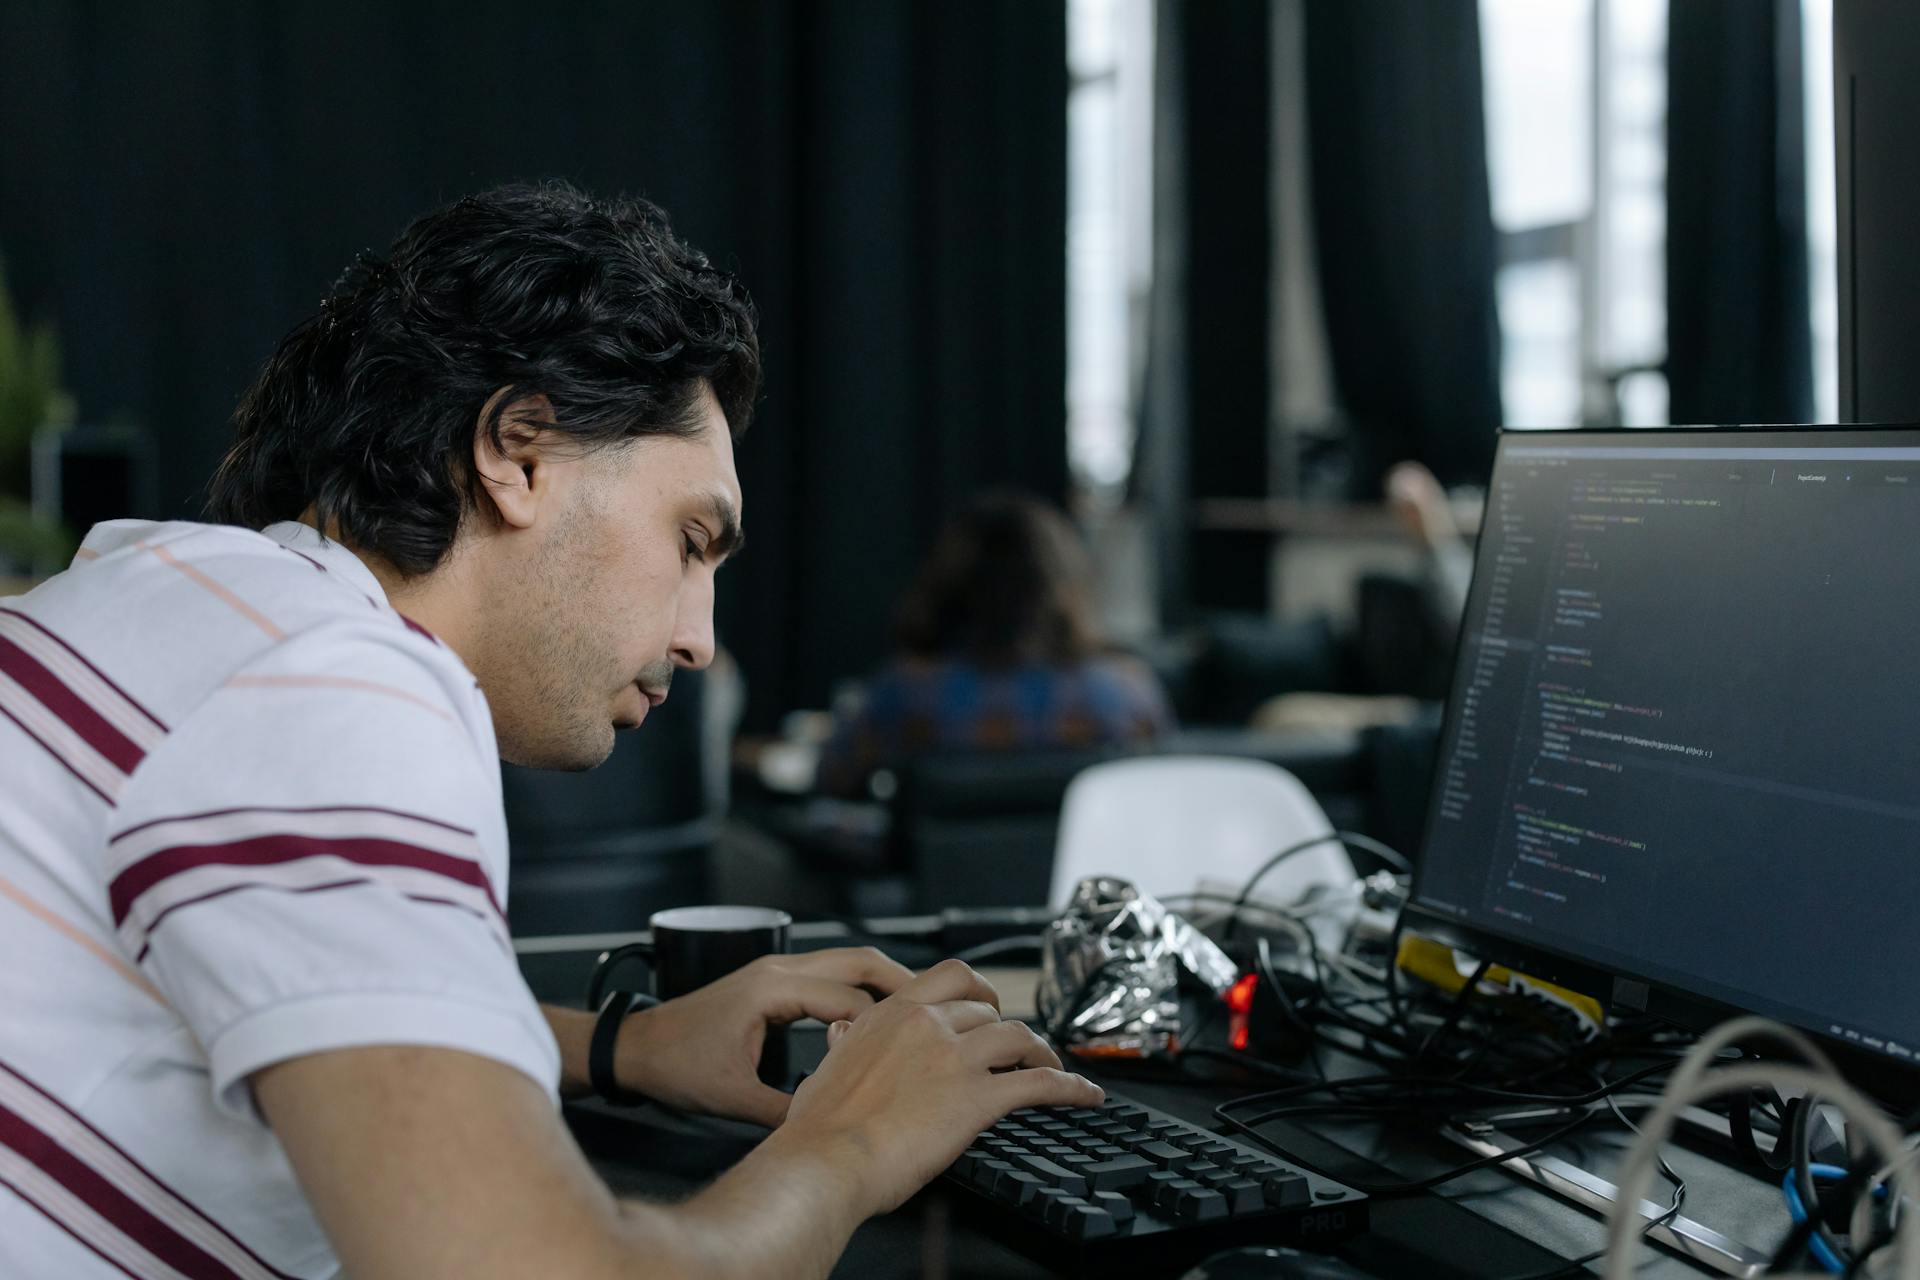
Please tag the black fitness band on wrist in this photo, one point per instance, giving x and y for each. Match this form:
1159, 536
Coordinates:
606, 1031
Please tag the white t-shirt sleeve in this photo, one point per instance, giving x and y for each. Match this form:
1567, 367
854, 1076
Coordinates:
315, 860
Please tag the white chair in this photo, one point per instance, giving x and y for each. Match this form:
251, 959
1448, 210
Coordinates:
1168, 823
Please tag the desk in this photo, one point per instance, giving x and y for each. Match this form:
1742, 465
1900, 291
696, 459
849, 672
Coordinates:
1488, 1224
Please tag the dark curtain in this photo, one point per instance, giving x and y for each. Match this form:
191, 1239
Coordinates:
1404, 232
1205, 417
1739, 348
180, 183
1226, 49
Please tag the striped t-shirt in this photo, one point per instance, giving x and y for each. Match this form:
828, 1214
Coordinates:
247, 812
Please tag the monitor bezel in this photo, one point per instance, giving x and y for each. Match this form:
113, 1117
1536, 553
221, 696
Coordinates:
1619, 990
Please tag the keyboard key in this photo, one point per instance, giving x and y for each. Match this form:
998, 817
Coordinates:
1118, 1207
1050, 1173
1130, 1116
1216, 1149
985, 1171
1044, 1197
1163, 1154
1243, 1196
1087, 1222
1061, 1208
1022, 1188
1105, 1152
1200, 1205
1168, 1194
1117, 1173
1287, 1190
1215, 1177
1149, 1191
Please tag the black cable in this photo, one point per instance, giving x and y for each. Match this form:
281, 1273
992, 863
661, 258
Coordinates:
1395, 1190
1856, 1267
1455, 1008
1264, 964
1393, 966
1245, 1060
1800, 1143
1400, 1083
1678, 1183
1379, 849
1344, 838
999, 947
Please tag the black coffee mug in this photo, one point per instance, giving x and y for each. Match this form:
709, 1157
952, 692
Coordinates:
693, 946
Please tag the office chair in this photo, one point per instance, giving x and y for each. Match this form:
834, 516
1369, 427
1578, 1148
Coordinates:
1167, 823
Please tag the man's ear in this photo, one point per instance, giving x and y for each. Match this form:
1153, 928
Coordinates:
515, 463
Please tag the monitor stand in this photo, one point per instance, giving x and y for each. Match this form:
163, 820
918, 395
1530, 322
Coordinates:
1682, 1234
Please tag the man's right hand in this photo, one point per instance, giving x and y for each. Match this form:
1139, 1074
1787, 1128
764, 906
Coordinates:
910, 1083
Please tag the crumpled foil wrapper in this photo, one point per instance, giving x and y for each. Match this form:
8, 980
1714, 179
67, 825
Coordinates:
1110, 971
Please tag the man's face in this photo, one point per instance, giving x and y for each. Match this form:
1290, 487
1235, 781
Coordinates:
612, 595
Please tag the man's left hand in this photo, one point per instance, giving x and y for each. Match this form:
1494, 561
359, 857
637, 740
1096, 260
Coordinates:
701, 1052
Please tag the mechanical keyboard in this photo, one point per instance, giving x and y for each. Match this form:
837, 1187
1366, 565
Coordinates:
1123, 1188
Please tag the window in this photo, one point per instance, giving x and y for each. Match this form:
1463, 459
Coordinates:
1576, 153
1576, 100
1823, 249
1109, 234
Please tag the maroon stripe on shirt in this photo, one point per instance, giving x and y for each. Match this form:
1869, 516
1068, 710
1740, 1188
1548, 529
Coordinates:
81, 658
45, 1213
260, 851
151, 1232
416, 627
64, 762
224, 890
312, 808
68, 707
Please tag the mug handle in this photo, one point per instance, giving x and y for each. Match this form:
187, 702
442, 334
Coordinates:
609, 961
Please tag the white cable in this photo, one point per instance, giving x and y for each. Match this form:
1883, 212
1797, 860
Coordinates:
1696, 1081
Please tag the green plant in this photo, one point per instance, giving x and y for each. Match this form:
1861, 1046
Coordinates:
31, 399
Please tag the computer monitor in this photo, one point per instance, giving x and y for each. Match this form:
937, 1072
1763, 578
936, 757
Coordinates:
1680, 764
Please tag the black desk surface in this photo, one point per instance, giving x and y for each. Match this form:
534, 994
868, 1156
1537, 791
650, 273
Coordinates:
1487, 1224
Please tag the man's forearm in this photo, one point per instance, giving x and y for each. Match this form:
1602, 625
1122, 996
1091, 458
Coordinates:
573, 1032
784, 1212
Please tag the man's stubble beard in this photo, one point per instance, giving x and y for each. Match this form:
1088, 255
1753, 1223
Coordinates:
559, 707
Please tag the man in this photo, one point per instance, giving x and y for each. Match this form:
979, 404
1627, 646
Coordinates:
260, 1014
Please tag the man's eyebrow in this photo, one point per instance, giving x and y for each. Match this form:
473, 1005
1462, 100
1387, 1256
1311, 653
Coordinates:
731, 537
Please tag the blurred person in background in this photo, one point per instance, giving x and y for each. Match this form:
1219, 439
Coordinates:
1423, 508
999, 651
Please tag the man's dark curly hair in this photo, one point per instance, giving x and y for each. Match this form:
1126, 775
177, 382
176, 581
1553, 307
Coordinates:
366, 414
